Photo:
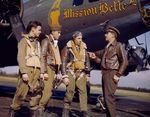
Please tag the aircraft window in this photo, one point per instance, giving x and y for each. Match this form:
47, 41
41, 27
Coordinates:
93, 0
77, 2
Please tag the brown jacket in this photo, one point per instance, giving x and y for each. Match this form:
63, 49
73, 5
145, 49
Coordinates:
47, 55
113, 57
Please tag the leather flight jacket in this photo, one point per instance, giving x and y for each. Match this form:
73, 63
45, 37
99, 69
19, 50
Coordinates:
113, 57
47, 56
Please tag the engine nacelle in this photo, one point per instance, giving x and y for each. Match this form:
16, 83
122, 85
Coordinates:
144, 6
9, 7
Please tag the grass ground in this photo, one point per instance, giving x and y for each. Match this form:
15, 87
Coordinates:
4, 80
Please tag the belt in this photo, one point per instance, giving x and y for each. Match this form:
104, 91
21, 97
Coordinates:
107, 70
34, 67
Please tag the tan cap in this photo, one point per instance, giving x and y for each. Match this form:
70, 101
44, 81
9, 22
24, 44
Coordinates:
55, 28
113, 29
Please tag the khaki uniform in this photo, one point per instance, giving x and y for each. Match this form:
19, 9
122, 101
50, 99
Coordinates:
76, 66
48, 86
28, 51
80, 84
50, 63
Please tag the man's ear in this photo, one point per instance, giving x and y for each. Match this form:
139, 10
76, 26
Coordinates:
32, 29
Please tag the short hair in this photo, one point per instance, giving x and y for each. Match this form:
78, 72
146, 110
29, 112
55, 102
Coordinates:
76, 34
32, 24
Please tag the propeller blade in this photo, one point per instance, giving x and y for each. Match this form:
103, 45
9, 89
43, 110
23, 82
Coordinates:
17, 26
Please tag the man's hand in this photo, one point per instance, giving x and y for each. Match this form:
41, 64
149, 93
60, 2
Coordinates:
92, 55
58, 76
25, 77
44, 76
116, 79
66, 81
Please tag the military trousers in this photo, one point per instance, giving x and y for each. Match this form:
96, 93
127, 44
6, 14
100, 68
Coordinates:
48, 87
80, 84
23, 88
109, 88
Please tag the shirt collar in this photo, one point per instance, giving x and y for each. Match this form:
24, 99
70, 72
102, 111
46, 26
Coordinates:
30, 38
112, 44
50, 37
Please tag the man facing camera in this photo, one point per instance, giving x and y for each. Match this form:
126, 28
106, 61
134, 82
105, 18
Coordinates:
75, 70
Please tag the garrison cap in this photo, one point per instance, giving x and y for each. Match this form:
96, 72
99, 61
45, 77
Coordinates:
76, 34
113, 29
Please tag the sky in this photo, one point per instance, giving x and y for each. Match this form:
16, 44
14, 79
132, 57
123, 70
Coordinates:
134, 79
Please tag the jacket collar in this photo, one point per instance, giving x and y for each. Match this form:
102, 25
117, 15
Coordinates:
70, 45
50, 37
114, 43
31, 39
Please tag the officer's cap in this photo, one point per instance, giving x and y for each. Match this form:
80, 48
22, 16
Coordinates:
113, 30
